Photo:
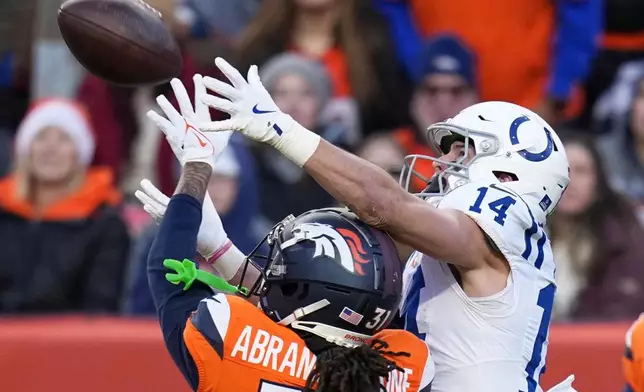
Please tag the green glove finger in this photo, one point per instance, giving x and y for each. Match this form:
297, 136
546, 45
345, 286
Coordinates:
173, 278
189, 273
186, 272
189, 269
172, 264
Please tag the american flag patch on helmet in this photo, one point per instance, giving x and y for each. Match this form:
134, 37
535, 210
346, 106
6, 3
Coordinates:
351, 316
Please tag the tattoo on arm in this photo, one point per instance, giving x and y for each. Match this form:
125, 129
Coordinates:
194, 180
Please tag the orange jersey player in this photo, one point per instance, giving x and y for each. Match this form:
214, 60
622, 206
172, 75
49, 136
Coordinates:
327, 289
236, 347
633, 361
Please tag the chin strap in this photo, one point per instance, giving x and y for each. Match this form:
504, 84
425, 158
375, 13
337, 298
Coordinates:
301, 312
338, 336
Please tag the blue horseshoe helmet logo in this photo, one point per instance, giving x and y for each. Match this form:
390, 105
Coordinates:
531, 156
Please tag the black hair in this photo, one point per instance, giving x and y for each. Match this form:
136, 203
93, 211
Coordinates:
359, 369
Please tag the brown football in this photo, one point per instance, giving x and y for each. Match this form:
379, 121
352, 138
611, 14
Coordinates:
124, 42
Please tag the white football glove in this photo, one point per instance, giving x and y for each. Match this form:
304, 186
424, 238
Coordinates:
212, 235
212, 240
188, 143
565, 385
254, 114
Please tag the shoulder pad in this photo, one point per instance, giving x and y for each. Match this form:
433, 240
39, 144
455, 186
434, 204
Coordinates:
419, 369
635, 332
504, 217
633, 359
212, 318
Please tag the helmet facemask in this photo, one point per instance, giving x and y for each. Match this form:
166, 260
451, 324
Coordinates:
270, 265
456, 173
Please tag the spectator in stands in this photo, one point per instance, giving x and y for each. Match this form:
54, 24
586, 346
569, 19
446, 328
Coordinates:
16, 34
597, 242
221, 19
445, 84
349, 37
233, 189
126, 140
623, 148
530, 52
383, 150
302, 89
14, 101
64, 245
622, 42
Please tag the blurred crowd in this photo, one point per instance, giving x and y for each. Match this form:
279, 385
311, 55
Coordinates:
368, 76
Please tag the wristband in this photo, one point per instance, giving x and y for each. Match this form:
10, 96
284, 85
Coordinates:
227, 261
218, 253
297, 143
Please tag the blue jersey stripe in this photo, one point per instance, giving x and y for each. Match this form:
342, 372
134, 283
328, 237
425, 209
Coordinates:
410, 309
545, 301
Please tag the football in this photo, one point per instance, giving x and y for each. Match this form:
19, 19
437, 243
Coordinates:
125, 42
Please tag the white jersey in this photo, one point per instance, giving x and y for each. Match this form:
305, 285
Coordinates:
496, 343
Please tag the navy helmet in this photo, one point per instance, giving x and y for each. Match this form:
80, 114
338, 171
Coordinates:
330, 277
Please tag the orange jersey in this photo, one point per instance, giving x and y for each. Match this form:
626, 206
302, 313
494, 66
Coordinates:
237, 348
633, 361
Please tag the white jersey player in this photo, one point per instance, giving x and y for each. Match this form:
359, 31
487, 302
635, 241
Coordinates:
481, 285
502, 333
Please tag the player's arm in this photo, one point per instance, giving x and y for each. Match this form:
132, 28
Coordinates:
378, 200
176, 239
222, 258
370, 192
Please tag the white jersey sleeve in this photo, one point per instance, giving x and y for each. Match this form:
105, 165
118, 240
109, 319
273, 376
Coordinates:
505, 218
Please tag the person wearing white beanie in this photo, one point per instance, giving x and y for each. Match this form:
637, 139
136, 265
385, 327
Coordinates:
67, 116
53, 147
60, 227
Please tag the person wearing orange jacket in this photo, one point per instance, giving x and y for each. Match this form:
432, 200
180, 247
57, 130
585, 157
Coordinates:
64, 244
530, 52
445, 82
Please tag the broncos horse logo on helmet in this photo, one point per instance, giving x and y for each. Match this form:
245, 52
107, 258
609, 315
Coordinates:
321, 263
342, 245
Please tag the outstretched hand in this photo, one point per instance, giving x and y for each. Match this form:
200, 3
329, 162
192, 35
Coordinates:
181, 129
254, 113
212, 237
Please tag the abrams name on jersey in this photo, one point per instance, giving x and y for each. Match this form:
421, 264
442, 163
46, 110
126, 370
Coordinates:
237, 348
496, 343
259, 347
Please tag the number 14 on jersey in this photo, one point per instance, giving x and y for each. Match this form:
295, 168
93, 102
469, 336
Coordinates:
500, 208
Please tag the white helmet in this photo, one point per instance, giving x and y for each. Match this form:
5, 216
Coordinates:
508, 139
